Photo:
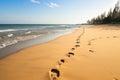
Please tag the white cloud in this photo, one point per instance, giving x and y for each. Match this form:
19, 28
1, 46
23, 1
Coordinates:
35, 1
53, 5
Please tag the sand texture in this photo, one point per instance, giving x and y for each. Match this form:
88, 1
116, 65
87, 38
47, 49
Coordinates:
89, 53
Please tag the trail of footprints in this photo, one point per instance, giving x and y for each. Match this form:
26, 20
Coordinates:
94, 39
54, 73
92, 51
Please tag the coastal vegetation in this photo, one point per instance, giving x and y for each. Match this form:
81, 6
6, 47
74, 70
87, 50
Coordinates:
112, 17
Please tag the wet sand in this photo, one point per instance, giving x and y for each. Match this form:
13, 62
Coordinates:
89, 53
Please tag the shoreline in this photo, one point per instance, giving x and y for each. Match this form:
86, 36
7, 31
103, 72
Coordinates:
14, 48
27, 62
96, 58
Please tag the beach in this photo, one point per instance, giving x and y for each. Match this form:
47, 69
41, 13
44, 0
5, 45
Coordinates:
88, 53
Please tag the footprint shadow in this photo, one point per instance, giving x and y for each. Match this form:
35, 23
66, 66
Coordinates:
77, 46
61, 61
115, 78
70, 54
91, 51
78, 42
107, 37
114, 36
72, 49
89, 43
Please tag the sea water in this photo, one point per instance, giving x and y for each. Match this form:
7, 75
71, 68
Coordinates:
14, 37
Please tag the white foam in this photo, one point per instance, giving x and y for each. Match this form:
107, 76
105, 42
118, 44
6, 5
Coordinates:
9, 30
11, 41
10, 35
2, 45
28, 32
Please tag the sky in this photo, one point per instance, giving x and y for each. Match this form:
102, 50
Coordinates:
51, 11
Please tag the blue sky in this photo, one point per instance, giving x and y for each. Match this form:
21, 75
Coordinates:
51, 11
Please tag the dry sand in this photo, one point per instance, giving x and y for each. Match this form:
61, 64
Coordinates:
97, 58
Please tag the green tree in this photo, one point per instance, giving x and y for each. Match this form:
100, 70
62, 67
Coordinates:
113, 16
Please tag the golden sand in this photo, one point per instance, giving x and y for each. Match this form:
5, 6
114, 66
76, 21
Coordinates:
97, 58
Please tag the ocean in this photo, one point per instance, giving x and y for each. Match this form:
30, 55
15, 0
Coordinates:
14, 37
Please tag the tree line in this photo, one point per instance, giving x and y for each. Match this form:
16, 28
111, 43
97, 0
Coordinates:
112, 17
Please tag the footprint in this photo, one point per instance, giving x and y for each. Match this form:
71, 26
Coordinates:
115, 78
70, 53
91, 51
108, 37
100, 37
72, 49
77, 39
89, 43
114, 36
93, 39
61, 61
77, 42
54, 74
77, 45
